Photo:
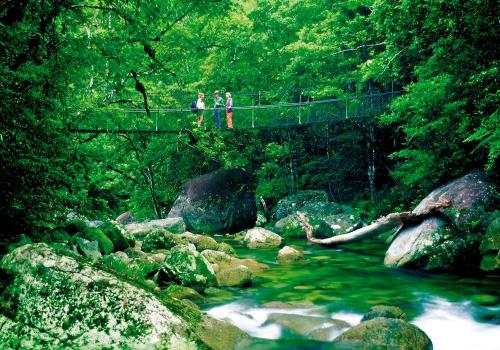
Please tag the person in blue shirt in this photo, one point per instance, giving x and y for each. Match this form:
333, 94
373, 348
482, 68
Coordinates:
218, 103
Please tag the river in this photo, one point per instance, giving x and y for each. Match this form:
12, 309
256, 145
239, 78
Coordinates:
456, 312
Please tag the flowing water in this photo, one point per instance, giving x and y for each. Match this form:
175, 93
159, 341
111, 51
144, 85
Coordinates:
456, 312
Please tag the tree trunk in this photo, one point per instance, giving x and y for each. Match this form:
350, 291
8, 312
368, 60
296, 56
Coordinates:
378, 227
151, 184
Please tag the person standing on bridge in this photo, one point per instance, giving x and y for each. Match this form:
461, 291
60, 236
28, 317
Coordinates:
218, 102
229, 110
200, 105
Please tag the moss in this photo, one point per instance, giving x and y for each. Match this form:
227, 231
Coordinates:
59, 236
186, 266
105, 244
158, 239
74, 226
226, 248
116, 236
205, 242
137, 269
181, 292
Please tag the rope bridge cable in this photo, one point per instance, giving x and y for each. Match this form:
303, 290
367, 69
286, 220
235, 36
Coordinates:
260, 117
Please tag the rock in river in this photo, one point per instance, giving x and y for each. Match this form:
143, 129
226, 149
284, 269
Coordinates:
435, 245
384, 333
231, 271
259, 237
184, 265
288, 254
384, 311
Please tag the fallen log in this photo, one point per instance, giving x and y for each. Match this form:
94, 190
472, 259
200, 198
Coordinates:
378, 227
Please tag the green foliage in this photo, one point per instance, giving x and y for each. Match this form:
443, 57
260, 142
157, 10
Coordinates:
447, 118
66, 64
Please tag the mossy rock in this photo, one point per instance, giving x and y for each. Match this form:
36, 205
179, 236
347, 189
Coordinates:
64, 302
89, 249
201, 242
292, 203
288, 255
182, 292
158, 239
235, 276
385, 311
105, 244
74, 226
60, 237
226, 248
116, 236
325, 218
184, 265
138, 269
385, 333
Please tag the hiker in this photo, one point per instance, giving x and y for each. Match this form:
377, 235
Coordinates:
229, 110
200, 105
218, 102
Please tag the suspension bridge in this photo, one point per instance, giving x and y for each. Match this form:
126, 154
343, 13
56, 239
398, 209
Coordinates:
253, 116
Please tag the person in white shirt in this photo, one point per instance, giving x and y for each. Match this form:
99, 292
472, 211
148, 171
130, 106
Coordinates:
201, 107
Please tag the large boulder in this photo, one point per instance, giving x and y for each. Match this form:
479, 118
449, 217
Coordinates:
259, 237
433, 244
218, 202
56, 301
292, 203
185, 266
384, 333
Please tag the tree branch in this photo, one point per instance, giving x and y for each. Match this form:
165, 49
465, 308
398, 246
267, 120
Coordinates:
121, 172
140, 88
378, 227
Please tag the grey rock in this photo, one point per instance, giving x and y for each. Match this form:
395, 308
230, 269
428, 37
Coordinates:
218, 202
66, 303
288, 255
125, 218
385, 333
434, 245
90, 249
261, 238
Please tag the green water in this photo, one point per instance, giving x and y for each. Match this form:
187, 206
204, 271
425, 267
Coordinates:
352, 279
